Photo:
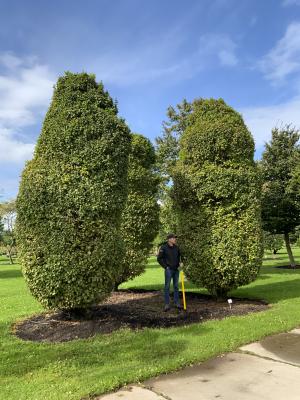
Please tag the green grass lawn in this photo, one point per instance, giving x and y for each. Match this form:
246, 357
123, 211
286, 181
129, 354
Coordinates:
81, 368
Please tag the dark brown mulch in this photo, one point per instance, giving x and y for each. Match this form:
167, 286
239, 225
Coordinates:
288, 267
130, 309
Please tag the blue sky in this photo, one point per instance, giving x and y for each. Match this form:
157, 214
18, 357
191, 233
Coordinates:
149, 55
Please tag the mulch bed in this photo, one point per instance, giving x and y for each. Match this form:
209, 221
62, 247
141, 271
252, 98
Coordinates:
130, 309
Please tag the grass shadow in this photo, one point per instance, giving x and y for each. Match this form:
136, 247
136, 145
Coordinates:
153, 265
160, 287
274, 270
10, 273
147, 346
274, 258
272, 292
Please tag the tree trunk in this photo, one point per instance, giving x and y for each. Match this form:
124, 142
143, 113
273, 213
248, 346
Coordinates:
221, 294
10, 256
289, 249
77, 313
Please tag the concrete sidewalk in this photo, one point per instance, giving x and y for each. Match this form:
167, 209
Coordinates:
266, 370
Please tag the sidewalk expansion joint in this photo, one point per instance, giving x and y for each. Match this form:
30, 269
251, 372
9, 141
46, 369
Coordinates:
249, 353
158, 393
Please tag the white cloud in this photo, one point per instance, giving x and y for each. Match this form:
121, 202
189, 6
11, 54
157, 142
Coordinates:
284, 58
148, 59
12, 149
131, 69
261, 120
227, 58
9, 60
286, 3
281, 65
219, 46
25, 91
253, 21
158, 59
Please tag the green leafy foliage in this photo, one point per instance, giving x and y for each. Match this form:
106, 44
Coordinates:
1, 235
72, 195
281, 199
281, 211
7, 228
167, 218
167, 155
217, 198
273, 242
168, 144
140, 218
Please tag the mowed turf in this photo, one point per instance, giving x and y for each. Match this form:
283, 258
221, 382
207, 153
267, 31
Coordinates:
75, 370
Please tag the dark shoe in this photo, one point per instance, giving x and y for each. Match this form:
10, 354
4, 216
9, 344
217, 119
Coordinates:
167, 308
178, 306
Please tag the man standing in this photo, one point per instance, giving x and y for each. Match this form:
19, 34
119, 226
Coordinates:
169, 258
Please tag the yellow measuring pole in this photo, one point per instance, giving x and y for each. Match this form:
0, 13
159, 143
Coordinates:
182, 289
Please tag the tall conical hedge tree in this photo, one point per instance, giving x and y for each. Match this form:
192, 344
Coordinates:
72, 195
217, 197
140, 218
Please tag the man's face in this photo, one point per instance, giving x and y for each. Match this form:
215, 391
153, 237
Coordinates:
172, 241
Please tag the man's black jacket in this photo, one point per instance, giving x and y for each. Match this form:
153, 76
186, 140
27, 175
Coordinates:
169, 256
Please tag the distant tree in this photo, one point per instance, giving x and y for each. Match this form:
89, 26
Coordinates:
280, 199
297, 235
72, 195
167, 154
273, 242
167, 217
1, 230
294, 189
217, 199
167, 145
8, 217
140, 217
294, 236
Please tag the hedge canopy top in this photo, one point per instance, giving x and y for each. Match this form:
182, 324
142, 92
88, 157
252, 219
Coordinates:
216, 133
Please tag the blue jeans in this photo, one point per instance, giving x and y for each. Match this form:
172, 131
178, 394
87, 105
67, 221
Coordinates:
169, 275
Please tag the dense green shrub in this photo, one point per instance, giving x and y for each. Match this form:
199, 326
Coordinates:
140, 217
72, 195
217, 198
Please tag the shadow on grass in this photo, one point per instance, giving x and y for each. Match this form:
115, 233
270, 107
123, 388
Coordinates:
273, 292
10, 273
102, 351
159, 286
276, 270
153, 265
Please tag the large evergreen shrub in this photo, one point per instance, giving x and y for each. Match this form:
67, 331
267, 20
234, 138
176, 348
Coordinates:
72, 195
140, 218
217, 198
